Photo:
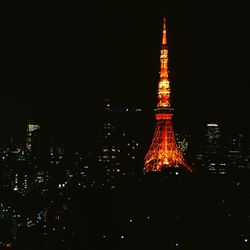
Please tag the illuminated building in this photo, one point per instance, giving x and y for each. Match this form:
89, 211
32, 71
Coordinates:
32, 149
237, 151
81, 170
214, 158
32, 140
117, 142
164, 151
213, 138
16, 174
57, 169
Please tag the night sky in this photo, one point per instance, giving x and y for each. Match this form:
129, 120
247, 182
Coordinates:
61, 60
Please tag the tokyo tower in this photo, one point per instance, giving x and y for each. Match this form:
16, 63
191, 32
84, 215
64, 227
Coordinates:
164, 151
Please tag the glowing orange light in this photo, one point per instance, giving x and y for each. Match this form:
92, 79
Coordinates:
164, 151
163, 116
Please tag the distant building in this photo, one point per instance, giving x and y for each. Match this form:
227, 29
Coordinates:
16, 173
214, 158
33, 140
237, 151
20, 162
213, 137
117, 143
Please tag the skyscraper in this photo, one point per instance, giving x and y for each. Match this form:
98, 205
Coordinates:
117, 142
214, 157
213, 137
32, 140
237, 151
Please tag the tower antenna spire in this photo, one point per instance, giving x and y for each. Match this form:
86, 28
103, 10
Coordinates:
164, 32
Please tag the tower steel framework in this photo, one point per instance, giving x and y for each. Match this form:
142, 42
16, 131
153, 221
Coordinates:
164, 151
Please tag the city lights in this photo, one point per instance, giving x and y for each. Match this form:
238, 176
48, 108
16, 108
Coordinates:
99, 150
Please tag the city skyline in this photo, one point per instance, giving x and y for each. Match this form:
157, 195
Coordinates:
81, 166
62, 62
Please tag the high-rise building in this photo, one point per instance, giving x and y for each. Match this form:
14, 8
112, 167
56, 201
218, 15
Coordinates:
213, 137
117, 143
237, 151
33, 151
214, 156
57, 165
16, 172
33, 140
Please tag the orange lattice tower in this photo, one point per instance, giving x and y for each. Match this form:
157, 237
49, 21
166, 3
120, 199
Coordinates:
164, 151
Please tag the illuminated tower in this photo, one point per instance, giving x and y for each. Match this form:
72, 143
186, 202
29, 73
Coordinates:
164, 151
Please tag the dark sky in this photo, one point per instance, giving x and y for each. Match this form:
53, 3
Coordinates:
62, 59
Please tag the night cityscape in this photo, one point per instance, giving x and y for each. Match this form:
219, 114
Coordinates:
124, 126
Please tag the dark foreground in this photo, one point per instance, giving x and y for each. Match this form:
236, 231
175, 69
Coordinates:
173, 212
